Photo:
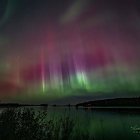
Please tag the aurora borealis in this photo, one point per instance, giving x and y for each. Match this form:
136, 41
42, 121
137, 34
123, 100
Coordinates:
55, 49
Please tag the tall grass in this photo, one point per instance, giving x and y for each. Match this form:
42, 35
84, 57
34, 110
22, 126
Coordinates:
29, 124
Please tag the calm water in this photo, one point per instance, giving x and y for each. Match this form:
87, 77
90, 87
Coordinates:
100, 125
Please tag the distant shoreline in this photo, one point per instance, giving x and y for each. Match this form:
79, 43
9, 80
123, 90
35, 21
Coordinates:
116, 103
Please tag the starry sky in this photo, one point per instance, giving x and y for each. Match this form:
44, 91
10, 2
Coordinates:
69, 50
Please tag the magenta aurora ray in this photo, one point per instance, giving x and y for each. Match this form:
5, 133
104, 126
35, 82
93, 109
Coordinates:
52, 49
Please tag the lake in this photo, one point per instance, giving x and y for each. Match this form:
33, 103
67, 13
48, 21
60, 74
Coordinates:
94, 124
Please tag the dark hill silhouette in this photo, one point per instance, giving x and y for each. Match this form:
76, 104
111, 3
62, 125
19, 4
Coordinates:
117, 102
19, 105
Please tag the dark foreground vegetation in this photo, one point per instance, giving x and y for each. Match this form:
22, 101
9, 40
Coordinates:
29, 124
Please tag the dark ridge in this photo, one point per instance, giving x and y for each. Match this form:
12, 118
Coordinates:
43, 105
117, 102
19, 105
9, 105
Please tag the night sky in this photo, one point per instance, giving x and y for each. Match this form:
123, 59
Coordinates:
69, 50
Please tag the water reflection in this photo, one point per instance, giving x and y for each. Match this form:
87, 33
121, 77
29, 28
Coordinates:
69, 123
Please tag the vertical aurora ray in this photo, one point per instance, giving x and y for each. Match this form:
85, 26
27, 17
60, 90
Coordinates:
18, 70
43, 71
9, 11
58, 51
